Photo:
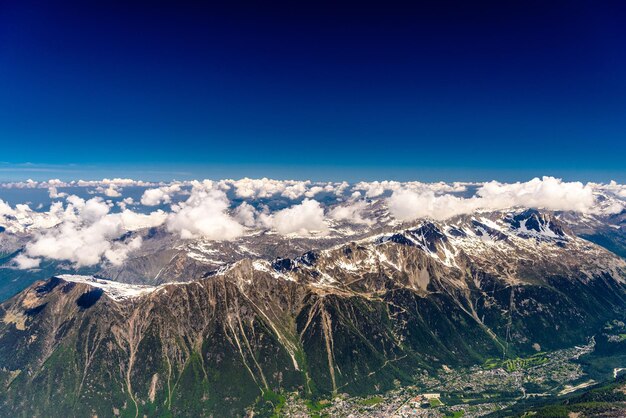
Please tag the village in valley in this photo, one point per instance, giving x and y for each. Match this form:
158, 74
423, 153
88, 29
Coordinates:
471, 392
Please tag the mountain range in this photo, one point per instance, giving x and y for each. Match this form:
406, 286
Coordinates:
227, 328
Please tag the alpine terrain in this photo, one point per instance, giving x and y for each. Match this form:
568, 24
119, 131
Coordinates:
349, 327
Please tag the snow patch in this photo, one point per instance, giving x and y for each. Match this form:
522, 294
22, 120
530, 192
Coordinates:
114, 290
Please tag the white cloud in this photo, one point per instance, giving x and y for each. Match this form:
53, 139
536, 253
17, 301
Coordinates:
314, 190
352, 211
256, 188
204, 215
548, 193
408, 205
84, 233
118, 252
83, 246
54, 193
305, 218
82, 238
91, 210
5, 208
376, 188
296, 190
154, 197
24, 262
117, 182
122, 204
247, 188
338, 188
133, 221
612, 187
112, 191
246, 215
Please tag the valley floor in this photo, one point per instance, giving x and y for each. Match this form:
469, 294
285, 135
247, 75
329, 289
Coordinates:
484, 390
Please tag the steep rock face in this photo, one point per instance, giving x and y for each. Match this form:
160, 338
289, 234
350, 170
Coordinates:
353, 318
154, 352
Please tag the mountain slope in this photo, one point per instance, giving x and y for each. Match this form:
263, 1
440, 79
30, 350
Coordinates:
355, 318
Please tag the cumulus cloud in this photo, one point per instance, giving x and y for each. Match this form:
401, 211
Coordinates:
86, 232
83, 232
376, 189
23, 262
255, 188
83, 237
28, 184
118, 252
104, 183
133, 221
548, 193
204, 215
408, 205
5, 208
117, 182
352, 211
154, 197
296, 190
53, 192
112, 191
315, 190
246, 215
305, 218
612, 189
122, 204
264, 188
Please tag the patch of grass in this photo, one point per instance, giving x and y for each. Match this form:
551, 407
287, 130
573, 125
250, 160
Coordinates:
316, 407
492, 363
434, 402
271, 404
518, 363
371, 401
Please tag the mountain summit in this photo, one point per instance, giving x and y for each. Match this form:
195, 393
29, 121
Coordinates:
357, 318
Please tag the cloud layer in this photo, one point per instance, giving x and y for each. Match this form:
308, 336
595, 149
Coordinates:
85, 233
104, 228
204, 215
546, 193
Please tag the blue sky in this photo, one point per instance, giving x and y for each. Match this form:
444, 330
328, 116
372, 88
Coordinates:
448, 91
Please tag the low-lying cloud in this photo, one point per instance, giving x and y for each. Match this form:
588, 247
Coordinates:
546, 193
161, 195
204, 215
83, 232
305, 218
86, 232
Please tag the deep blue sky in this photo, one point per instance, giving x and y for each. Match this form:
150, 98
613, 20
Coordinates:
446, 90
